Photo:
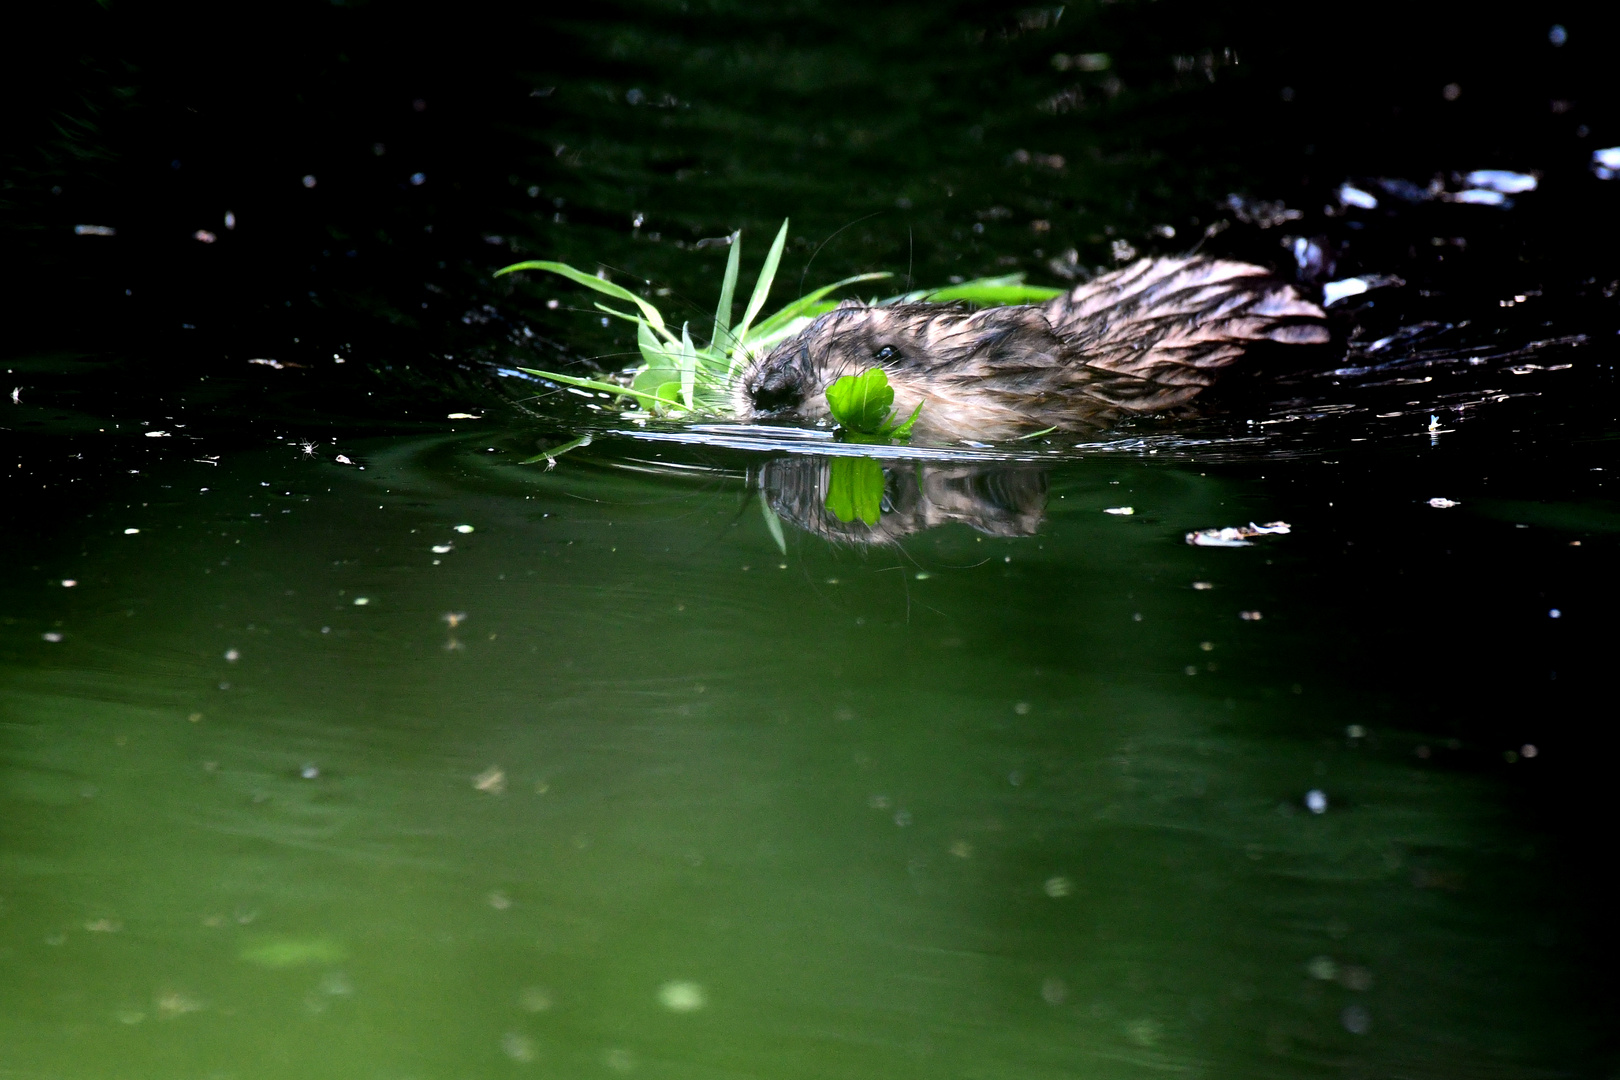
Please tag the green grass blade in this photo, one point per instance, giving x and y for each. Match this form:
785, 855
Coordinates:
617, 314
983, 292
596, 384
762, 289
688, 367
804, 303
552, 453
903, 431
591, 281
728, 288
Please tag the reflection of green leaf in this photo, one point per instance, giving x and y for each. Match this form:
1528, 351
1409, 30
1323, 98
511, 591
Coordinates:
294, 952
860, 403
773, 523
855, 490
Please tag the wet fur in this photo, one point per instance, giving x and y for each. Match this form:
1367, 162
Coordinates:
1143, 339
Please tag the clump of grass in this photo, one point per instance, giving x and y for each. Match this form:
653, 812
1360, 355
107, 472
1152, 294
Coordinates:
679, 377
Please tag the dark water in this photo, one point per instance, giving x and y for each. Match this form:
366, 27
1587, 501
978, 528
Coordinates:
432, 762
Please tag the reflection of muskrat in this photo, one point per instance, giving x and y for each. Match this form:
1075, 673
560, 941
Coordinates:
997, 500
1142, 339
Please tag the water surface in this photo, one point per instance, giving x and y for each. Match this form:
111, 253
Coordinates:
341, 737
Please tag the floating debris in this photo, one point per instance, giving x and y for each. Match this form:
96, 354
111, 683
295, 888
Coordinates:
519, 1048
1122, 511
492, 780
1502, 180
1606, 162
682, 997
464, 528
1058, 887
536, 999
279, 953
52, 636
464, 416
173, 1003
267, 362
1238, 535
94, 230
1480, 197
1354, 196
1443, 504
1316, 801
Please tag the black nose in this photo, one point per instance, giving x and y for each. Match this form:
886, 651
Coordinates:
775, 398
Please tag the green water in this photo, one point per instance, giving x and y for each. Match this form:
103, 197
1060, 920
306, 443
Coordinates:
615, 785
357, 748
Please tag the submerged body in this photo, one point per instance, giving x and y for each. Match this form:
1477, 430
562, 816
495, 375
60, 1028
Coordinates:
1142, 339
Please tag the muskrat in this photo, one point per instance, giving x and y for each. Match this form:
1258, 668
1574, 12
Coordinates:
1145, 338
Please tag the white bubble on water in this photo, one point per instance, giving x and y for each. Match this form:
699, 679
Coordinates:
1316, 801
681, 997
519, 1048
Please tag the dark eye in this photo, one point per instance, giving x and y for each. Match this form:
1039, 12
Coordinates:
888, 352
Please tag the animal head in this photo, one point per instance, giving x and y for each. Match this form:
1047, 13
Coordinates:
930, 352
